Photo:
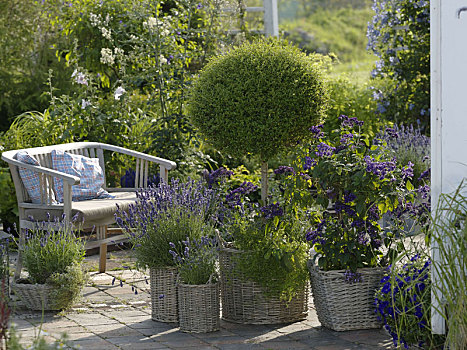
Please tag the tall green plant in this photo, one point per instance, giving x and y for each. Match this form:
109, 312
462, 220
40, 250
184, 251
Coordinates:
449, 238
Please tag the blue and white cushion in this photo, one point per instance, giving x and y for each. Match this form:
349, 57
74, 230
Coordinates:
87, 169
31, 179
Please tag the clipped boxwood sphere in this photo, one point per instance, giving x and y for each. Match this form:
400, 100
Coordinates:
258, 98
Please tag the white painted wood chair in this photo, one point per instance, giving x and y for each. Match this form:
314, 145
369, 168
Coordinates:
98, 213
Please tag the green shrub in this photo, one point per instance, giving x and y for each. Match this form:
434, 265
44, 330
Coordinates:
258, 98
8, 204
48, 251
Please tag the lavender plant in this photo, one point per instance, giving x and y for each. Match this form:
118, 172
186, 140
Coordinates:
355, 185
195, 259
408, 144
51, 248
164, 214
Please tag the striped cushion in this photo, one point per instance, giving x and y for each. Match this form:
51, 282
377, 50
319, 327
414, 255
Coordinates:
31, 179
87, 169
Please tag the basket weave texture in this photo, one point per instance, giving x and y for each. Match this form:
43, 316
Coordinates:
343, 306
164, 294
198, 307
35, 296
243, 301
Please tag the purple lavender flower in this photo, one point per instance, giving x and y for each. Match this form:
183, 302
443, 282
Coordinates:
216, 176
408, 170
425, 174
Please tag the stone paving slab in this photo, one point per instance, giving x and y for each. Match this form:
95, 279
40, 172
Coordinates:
114, 315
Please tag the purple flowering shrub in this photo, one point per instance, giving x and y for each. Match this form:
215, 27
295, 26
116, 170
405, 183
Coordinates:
355, 185
195, 259
167, 213
403, 303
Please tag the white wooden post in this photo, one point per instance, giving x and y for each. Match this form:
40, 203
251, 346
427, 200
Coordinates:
448, 110
271, 18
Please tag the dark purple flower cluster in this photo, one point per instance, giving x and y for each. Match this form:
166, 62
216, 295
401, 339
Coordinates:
317, 131
341, 207
324, 150
346, 138
308, 163
316, 236
234, 197
349, 197
272, 210
407, 171
283, 169
350, 122
425, 174
392, 133
380, 169
216, 176
352, 277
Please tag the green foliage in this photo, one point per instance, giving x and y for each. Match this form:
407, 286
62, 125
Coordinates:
449, 236
353, 99
8, 205
340, 31
274, 255
49, 252
68, 286
196, 261
39, 343
399, 35
152, 249
258, 98
27, 53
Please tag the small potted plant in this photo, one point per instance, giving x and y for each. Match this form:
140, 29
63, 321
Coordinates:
162, 215
353, 186
198, 288
53, 258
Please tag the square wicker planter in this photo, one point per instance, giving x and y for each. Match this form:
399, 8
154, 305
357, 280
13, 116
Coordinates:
343, 306
198, 307
243, 301
35, 296
164, 294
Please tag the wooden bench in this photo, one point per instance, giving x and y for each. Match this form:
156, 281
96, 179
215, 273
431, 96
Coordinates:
98, 213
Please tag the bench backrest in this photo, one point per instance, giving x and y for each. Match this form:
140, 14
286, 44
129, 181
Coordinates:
43, 156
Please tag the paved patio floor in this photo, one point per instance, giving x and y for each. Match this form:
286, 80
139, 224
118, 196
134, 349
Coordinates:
115, 313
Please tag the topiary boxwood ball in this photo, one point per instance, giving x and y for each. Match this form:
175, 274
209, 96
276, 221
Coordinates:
258, 98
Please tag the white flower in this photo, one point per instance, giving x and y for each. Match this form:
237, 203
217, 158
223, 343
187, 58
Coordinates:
107, 56
85, 103
165, 32
119, 92
150, 23
133, 37
119, 52
95, 19
162, 59
106, 33
80, 77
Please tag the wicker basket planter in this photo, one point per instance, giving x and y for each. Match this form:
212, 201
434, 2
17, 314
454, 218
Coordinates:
35, 296
243, 301
198, 307
164, 294
343, 306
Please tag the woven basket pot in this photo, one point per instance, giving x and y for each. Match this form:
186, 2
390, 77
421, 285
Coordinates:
243, 301
198, 307
35, 296
343, 306
164, 294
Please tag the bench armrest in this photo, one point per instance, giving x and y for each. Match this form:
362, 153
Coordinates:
70, 179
